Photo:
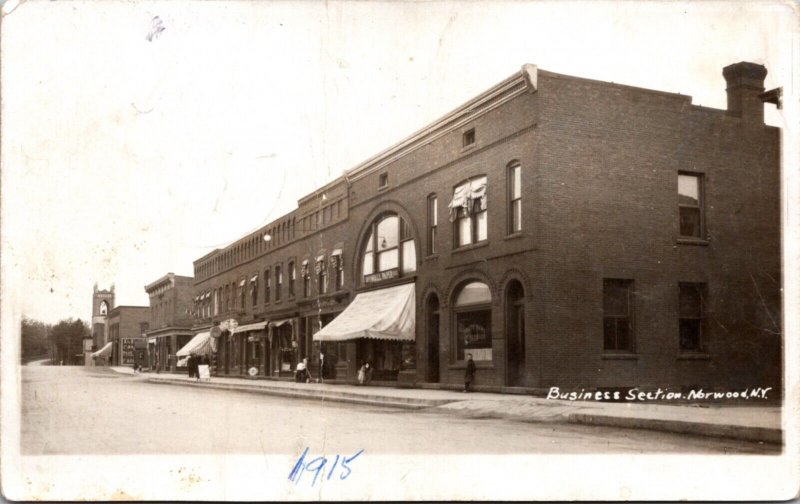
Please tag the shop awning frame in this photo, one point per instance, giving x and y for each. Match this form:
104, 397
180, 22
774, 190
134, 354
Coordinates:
385, 314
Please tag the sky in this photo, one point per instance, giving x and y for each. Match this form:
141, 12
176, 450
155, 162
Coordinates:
125, 158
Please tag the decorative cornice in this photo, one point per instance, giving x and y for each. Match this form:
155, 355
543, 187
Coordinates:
517, 84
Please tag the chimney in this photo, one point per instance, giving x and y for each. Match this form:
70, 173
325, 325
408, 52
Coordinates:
745, 85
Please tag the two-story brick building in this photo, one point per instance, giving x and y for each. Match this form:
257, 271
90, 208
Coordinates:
564, 231
171, 319
126, 328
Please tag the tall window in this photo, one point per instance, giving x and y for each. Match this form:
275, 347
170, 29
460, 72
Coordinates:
227, 297
292, 277
338, 266
692, 317
473, 322
322, 275
468, 209
690, 205
254, 290
216, 301
278, 283
389, 246
618, 315
433, 223
514, 198
306, 279
267, 285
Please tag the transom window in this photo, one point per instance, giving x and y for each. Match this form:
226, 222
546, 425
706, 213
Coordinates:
389, 247
473, 322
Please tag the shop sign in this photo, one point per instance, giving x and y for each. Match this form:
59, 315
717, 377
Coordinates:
382, 275
127, 351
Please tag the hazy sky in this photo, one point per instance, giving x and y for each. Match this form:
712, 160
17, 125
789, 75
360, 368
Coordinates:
124, 159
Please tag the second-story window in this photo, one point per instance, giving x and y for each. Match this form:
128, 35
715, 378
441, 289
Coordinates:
292, 276
433, 223
322, 274
389, 248
690, 205
254, 290
267, 284
242, 293
514, 198
278, 283
469, 211
306, 279
338, 267
227, 297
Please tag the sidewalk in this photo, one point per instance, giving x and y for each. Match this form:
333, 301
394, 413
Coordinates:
750, 423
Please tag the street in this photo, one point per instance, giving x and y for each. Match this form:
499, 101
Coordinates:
78, 410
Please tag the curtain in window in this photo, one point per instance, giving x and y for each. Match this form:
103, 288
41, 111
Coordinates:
465, 195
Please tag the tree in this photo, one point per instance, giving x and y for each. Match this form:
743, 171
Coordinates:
35, 342
67, 339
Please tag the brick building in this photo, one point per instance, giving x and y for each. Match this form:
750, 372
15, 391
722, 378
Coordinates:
170, 322
126, 328
564, 231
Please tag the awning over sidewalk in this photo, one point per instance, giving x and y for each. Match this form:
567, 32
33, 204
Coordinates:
387, 314
105, 351
256, 326
201, 344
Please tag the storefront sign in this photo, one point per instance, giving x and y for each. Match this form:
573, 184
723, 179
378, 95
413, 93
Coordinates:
127, 351
382, 275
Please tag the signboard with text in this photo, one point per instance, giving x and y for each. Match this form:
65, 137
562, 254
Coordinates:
382, 275
127, 351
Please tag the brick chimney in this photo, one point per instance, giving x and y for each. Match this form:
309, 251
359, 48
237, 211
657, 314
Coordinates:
745, 85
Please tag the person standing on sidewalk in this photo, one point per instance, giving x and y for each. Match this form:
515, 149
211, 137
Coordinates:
469, 374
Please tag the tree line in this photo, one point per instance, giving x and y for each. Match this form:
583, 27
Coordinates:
61, 343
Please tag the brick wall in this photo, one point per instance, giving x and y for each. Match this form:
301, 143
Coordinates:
600, 165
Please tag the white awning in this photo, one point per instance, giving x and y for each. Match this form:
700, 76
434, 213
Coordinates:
105, 351
387, 314
337, 251
321, 258
305, 262
256, 326
241, 284
201, 344
254, 278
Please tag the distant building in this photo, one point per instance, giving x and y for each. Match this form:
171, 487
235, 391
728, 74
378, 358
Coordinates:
126, 330
170, 320
102, 303
563, 231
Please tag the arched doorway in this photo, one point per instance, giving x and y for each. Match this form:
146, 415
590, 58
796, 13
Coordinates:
515, 334
432, 331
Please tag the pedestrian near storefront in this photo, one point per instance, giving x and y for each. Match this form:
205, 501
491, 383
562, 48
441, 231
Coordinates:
469, 374
321, 366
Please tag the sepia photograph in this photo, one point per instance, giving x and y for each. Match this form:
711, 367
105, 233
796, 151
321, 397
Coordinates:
424, 250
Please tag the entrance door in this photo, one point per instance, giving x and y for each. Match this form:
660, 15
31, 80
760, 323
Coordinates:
432, 313
515, 335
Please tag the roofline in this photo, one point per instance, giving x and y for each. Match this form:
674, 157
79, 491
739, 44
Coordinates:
517, 84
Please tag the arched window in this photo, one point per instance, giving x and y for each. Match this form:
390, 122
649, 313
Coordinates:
103, 308
389, 247
473, 321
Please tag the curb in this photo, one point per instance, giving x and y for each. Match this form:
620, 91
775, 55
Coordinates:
740, 432
336, 396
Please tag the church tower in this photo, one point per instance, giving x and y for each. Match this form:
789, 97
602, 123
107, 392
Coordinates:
102, 303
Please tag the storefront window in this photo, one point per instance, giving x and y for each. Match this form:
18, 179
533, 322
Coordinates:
473, 322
